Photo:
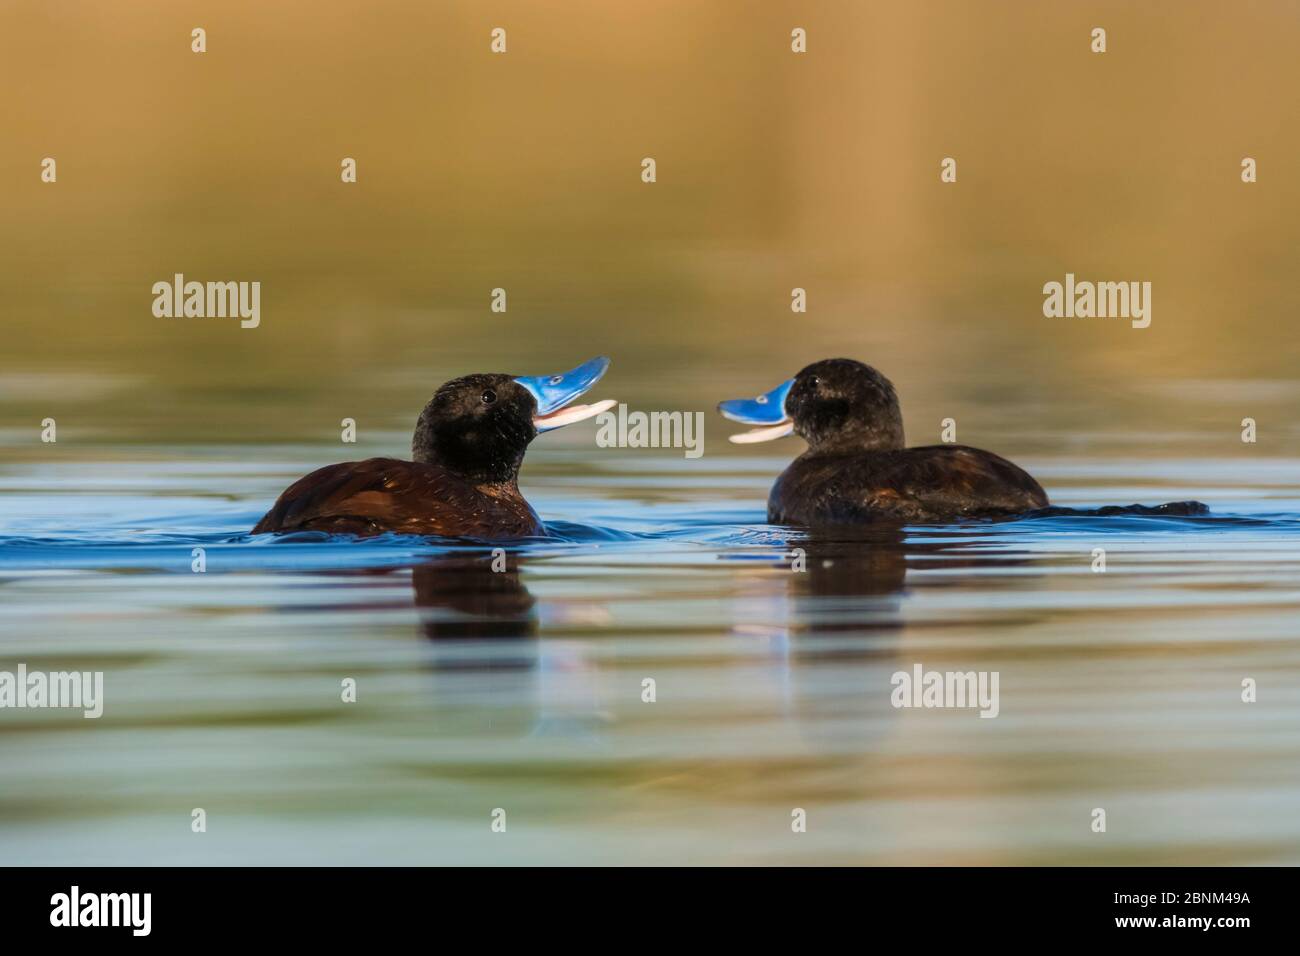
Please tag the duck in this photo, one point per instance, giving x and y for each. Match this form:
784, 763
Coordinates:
858, 469
462, 479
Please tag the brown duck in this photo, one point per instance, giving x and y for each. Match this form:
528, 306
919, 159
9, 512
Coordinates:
857, 468
463, 480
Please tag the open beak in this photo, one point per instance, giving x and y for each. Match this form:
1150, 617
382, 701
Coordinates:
555, 392
768, 410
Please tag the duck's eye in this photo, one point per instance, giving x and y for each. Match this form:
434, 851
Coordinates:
814, 381
489, 396
557, 379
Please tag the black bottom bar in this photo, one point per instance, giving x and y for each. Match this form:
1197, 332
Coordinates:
369, 905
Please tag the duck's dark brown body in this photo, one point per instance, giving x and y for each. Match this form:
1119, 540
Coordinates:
462, 479
930, 483
381, 495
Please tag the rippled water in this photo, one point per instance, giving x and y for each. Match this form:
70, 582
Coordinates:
776, 173
523, 690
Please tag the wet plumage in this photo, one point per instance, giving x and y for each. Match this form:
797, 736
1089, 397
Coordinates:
381, 495
857, 468
913, 484
462, 481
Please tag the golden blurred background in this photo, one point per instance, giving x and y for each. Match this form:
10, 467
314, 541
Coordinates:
775, 170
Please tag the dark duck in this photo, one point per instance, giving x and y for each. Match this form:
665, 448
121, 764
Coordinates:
857, 468
462, 480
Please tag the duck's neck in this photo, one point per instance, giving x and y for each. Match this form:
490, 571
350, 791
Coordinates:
865, 437
466, 457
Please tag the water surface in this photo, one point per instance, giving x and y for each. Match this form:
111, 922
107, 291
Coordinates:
522, 690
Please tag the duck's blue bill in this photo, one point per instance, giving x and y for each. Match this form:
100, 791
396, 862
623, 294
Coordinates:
767, 409
555, 391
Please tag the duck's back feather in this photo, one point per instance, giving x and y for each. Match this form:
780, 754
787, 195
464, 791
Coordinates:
931, 483
390, 495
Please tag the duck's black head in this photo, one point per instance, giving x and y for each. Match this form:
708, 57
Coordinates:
479, 426
836, 405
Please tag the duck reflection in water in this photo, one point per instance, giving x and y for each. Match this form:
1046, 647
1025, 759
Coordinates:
854, 581
485, 632
846, 615
474, 596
